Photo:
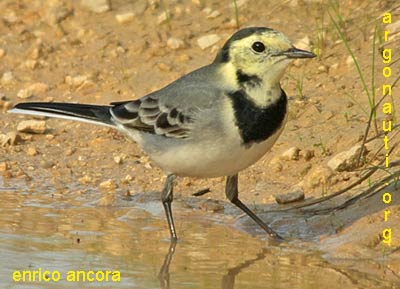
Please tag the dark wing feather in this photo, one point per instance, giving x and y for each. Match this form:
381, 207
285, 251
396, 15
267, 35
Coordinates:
147, 114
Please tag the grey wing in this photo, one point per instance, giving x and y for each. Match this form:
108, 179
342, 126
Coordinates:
149, 115
172, 111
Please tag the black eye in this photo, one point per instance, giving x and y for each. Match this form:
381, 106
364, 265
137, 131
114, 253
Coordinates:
258, 46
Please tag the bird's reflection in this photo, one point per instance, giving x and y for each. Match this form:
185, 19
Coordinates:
163, 275
228, 280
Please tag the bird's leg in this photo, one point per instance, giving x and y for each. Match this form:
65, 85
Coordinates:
231, 191
166, 198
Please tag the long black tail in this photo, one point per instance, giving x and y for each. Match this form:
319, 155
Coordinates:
98, 114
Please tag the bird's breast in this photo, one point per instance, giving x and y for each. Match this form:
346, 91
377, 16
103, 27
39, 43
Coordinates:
255, 123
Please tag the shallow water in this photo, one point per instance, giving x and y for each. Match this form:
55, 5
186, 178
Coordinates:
43, 229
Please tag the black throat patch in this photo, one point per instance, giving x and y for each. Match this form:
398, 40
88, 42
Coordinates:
257, 124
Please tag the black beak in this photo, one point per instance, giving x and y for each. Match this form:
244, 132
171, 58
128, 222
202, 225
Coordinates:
296, 53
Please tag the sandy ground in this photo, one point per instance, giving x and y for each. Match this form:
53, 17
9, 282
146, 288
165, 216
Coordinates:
63, 51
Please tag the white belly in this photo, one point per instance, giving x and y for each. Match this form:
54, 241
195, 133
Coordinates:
211, 160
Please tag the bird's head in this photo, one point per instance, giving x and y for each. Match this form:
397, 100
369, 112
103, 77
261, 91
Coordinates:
259, 52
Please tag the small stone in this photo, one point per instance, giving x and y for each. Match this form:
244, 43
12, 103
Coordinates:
98, 6
32, 151
36, 53
125, 17
208, 40
4, 166
213, 14
211, 206
349, 61
108, 185
347, 160
38, 87
175, 43
47, 164
120, 50
7, 77
32, 126
275, 164
317, 176
290, 154
164, 67
24, 93
307, 154
85, 179
31, 64
11, 138
163, 17
303, 43
7, 105
322, 68
3, 140
75, 80
50, 136
118, 159
14, 138
183, 58
334, 66
69, 152
290, 197
2, 53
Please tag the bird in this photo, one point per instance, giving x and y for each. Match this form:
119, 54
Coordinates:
213, 122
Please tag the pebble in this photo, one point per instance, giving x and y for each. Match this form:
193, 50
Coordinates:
38, 87
7, 77
307, 154
163, 17
31, 64
211, 206
290, 154
290, 197
108, 185
349, 61
11, 138
75, 80
322, 68
125, 17
164, 67
2, 52
317, 176
275, 164
85, 179
334, 66
118, 159
32, 151
4, 166
47, 164
175, 43
347, 160
24, 93
32, 126
303, 43
208, 40
69, 152
213, 14
98, 6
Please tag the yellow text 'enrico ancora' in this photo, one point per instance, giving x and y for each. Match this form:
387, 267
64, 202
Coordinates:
43, 275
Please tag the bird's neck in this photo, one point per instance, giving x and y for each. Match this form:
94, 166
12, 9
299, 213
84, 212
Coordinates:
263, 90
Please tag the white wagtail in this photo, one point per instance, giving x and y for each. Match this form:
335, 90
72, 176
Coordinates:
215, 121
